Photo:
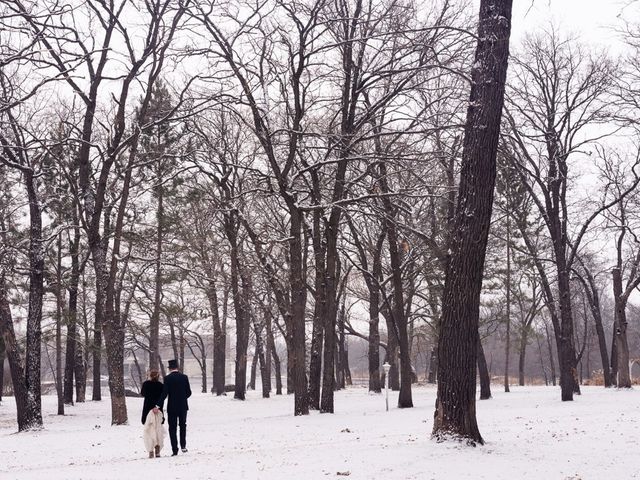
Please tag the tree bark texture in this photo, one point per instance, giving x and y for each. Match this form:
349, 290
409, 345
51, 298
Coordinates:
455, 413
620, 337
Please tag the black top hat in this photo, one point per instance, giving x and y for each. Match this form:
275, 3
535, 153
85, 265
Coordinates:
173, 364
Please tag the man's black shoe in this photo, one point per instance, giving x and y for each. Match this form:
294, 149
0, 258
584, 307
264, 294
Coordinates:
184, 450
174, 454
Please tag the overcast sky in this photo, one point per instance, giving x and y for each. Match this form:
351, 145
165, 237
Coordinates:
592, 20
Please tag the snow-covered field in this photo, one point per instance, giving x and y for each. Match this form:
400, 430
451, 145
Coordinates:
530, 434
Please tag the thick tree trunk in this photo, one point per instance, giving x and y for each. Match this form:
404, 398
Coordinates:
242, 333
33, 410
455, 414
296, 320
620, 337
566, 355
373, 353
24, 405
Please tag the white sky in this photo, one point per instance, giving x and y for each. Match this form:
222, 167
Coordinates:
591, 20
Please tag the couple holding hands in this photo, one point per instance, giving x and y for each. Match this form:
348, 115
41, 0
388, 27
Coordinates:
177, 389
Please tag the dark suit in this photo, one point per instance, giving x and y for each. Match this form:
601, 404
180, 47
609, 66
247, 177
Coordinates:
177, 388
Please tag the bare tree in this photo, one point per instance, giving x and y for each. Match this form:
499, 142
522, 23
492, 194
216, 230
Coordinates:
455, 413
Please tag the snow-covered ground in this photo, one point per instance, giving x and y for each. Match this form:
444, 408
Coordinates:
530, 434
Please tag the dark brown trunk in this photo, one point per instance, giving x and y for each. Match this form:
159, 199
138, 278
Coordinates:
154, 327
433, 365
399, 320
552, 364
455, 414
219, 342
260, 354
566, 355
276, 364
59, 319
16, 364
593, 296
268, 348
317, 334
33, 408
96, 350
252, 374
298, 297
507, 346
522, 354
73, 341
620, 337
82, 350
483, 371
3, 354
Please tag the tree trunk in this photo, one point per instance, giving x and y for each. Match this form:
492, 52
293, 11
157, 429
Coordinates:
552, 364
82, 350
73, 340
483, 370
296, 321
373, 353
252, 375
154, 327
260, 354
455, 414
523, 352
566, 356
433, 365
620, 337
268, 348
508, 291
96, 350
391, 352
544, 371
317, 334
2, 357
593, 297
399, 320
219, 341
16, 365
59, 318
242, 334
276, 365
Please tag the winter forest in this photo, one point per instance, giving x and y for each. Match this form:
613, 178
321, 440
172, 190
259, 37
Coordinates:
314, 206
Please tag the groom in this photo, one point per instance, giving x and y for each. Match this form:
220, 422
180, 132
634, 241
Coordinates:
176, 387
